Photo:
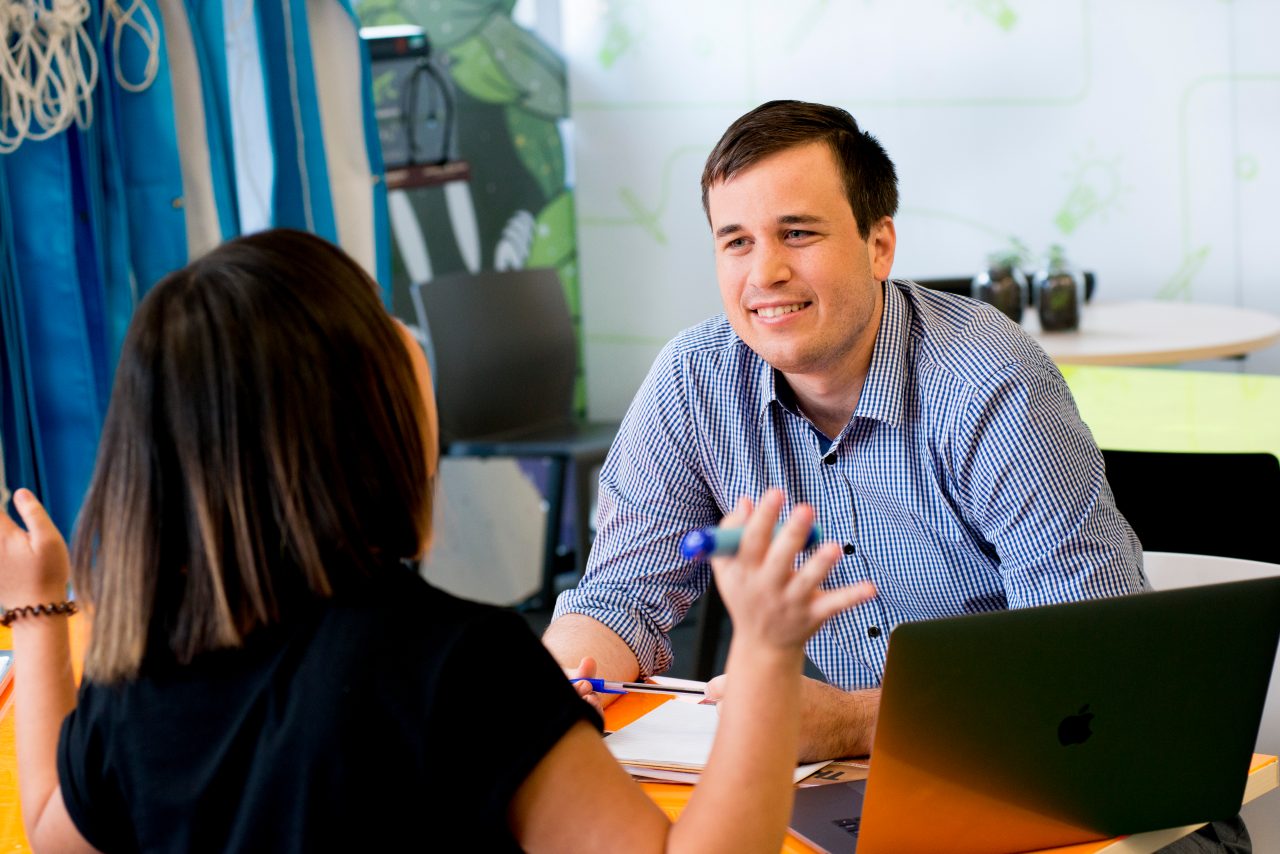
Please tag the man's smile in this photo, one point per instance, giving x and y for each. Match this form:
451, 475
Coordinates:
770, 311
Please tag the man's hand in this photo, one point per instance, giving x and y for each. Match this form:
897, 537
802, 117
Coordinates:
834, 724
586, 669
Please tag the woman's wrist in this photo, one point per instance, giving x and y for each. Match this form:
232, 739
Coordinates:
763, 657
40, 601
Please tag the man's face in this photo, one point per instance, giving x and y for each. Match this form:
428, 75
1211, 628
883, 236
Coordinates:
799, 285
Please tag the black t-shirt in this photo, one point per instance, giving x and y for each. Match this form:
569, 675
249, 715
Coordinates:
376, 718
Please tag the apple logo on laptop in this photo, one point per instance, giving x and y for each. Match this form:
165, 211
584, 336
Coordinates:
1074, 729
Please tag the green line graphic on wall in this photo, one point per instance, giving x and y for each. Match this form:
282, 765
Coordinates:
1096, 187
999, 12
1179, 285
648, 217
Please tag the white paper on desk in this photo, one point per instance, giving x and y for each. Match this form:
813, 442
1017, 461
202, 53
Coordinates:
672, 682
676, 737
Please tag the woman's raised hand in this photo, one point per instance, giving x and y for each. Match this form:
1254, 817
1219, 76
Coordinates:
769, 600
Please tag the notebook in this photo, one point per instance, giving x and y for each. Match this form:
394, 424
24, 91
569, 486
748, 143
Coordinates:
1040, 727
673, 743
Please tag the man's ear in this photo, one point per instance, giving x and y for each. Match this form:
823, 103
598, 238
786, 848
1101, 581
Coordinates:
881, 244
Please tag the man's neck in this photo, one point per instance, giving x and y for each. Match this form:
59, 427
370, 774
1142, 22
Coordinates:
829, 397
828, 405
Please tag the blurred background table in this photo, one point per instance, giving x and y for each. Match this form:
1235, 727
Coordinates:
1152, 332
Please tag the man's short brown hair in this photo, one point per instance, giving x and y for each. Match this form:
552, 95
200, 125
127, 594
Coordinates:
871, 184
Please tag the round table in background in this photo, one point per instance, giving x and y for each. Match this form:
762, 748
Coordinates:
1151, 332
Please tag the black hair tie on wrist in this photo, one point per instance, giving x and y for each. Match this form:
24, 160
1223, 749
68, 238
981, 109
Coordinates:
53, 608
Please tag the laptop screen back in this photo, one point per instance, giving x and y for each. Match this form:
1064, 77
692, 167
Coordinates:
1032, 728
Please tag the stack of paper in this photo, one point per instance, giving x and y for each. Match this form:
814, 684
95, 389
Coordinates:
673, 743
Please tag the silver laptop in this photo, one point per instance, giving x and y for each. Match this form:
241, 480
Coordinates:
1033, 728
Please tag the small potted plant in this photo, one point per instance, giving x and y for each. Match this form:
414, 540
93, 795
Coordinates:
1003, 283
1059, 293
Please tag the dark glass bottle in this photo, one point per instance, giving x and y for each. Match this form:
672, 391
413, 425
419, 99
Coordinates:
1004, 286
1059, 295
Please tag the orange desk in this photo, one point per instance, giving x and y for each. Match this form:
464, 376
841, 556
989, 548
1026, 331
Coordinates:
671, 798
12, 836
1264, 775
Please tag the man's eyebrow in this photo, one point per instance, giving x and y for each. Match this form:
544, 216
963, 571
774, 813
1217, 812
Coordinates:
800, 219
785, 219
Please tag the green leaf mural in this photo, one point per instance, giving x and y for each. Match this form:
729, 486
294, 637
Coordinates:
505, 64
478, 74
553, 241
448, 22
539, 146
511, 93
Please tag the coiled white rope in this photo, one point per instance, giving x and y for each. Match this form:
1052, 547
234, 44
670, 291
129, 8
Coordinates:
147, 31
49, 63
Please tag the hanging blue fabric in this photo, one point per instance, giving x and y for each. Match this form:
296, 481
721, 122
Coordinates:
301, 197
16, 434
304, 156
145, 140
54, 319
208, 36
109, 216
381, 216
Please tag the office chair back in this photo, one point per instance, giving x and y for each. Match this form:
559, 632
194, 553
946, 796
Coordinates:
1222, 504
1167, 571
505, 353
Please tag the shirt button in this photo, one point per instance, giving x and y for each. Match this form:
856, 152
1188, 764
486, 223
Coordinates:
830, 460
848, 548
873, 631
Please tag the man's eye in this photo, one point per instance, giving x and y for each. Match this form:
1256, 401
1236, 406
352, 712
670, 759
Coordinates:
736, 243
797, 234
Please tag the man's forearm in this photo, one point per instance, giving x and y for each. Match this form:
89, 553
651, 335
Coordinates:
836, 724
575, 636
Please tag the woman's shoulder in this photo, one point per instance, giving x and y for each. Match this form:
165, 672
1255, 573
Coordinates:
402, 602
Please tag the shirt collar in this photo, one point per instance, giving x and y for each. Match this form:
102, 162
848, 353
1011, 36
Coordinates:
882, 392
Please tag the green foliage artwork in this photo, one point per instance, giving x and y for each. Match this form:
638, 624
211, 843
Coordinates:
511, 95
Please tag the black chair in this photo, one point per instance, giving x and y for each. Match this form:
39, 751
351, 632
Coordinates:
505, 360
1223, 504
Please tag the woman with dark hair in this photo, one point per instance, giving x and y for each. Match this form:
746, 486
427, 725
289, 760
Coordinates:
267, 671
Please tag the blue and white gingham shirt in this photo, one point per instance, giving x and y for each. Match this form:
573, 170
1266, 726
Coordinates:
965, 481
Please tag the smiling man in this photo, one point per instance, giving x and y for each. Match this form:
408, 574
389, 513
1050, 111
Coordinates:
937, 443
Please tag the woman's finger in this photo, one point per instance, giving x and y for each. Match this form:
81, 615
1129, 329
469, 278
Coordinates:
40, 528
792, 537
739, 515
828, 603
757, 534
818, 566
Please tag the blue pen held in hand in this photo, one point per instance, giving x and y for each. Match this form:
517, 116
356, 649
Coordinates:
604, 686
703, 543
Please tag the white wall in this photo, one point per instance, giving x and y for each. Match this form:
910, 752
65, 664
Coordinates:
1144, 136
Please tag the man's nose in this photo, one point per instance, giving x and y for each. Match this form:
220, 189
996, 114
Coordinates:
770, 266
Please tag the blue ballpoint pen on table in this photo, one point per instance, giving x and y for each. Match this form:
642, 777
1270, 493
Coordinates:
605, 686
703, 543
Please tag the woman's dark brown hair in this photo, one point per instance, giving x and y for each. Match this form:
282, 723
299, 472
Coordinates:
265, 443
870, 181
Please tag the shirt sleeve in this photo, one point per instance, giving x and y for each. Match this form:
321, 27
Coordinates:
95, 807
502, 738
1033, 483
652, 492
